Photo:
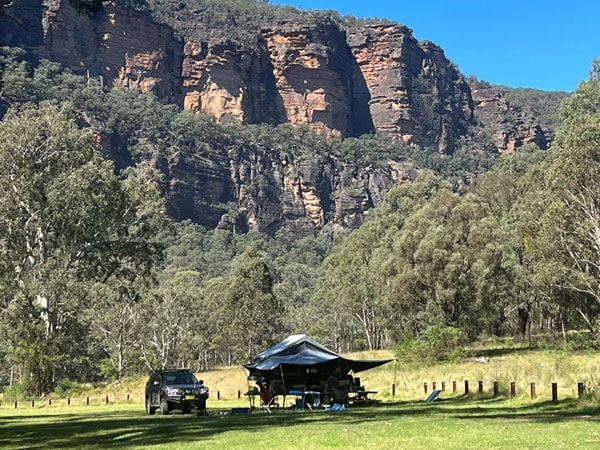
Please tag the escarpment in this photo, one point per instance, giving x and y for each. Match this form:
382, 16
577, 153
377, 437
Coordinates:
308, 71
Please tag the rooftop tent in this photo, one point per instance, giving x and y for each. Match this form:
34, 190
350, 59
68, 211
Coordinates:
298, 355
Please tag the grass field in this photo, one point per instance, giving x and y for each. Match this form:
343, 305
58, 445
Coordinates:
453, 423
405, 421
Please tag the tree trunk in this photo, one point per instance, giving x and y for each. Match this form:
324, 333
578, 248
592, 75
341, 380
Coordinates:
522, 318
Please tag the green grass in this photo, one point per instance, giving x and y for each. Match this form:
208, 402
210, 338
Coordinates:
452, 423
476, 421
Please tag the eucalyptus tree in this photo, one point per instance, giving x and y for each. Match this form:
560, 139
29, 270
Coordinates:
572, 222
65, 219
113, 326
169, 323
296, 270
506, 271
350, 295
432, 255
252, 314
358, 291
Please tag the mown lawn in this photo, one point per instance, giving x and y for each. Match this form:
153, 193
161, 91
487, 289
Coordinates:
452, 423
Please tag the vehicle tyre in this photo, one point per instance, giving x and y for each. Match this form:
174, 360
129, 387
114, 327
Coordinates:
186, 411
164, 407
149, 408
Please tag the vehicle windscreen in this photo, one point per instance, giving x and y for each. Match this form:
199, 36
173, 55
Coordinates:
180, 378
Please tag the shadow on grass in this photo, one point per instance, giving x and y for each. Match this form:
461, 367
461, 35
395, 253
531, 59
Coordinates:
478, 408
119, 428
496, 352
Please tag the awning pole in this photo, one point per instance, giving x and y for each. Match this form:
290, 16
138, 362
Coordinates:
283, 383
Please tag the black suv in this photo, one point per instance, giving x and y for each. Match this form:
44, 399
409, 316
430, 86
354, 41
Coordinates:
175, 389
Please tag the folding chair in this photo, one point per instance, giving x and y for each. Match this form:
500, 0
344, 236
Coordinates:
268, 399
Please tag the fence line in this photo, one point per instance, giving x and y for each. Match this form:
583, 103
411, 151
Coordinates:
68, 401
533, 392
128, 398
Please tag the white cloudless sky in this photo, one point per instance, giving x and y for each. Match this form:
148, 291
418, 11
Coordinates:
547, 45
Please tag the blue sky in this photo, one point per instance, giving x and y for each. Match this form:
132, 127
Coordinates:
540, 44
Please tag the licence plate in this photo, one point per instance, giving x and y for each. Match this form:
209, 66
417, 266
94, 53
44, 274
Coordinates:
190, 397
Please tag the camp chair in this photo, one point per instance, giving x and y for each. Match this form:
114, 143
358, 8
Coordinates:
338, 393
339, 396
268, 399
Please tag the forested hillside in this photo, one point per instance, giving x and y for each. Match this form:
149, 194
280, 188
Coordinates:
107, 267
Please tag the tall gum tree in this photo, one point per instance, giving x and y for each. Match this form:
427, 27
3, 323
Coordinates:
65, 218
572, 221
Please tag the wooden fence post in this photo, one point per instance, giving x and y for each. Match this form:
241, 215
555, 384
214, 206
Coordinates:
454, 387
580, 389
434, 385
480, 388
554, 392
107, 399
443, 386
466, 387
495, 388
513, 390
393, 390
425, 388
532, 388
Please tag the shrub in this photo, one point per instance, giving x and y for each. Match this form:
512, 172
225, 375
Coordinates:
16, 391
66, 388
437, 343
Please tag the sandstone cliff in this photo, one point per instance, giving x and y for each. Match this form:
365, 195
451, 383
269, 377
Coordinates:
307, 73
267, 192
509, 126
313, 73
415, 92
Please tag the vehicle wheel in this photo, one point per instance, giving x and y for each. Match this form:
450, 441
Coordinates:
149, 408
164, 407
186, 411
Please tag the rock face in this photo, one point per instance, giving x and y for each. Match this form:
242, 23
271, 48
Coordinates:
415, 92
225, 79
122, 46
269, 192
312, 69
509, 126
310, 73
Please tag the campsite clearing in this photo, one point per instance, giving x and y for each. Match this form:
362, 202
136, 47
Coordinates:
459, 423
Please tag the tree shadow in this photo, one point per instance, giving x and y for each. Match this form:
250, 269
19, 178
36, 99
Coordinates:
116, 429
495, 352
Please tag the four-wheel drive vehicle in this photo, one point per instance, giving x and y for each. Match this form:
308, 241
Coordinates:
175, 389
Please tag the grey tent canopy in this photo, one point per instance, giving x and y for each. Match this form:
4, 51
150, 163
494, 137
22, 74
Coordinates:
301, 352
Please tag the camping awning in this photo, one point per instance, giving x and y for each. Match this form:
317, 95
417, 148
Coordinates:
304, 357
300, 350
358, 365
